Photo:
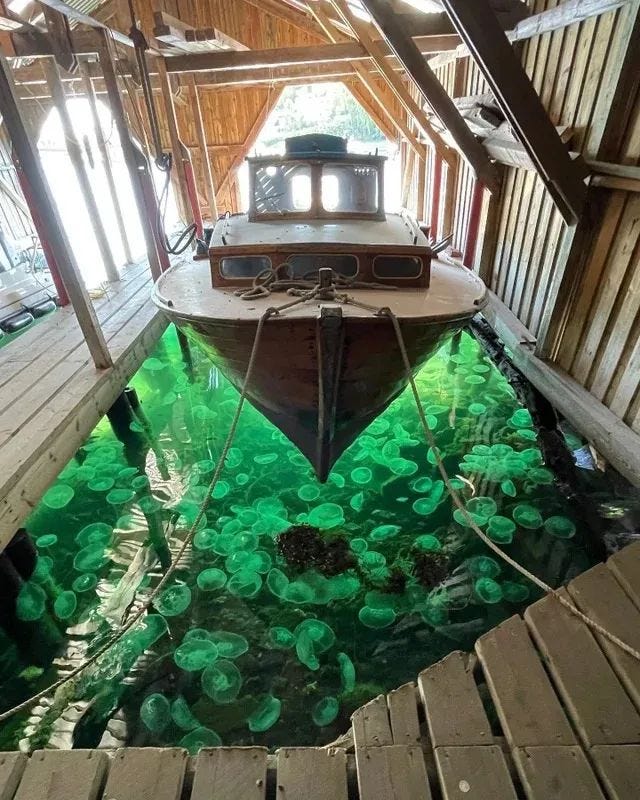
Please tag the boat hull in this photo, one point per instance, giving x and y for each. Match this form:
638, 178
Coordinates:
321, 380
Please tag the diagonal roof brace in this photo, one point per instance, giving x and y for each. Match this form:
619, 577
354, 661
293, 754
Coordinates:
479, 29
401, 43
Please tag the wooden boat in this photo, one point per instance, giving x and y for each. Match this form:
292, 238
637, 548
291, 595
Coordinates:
325, 369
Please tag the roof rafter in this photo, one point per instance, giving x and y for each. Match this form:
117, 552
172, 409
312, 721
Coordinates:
401, 43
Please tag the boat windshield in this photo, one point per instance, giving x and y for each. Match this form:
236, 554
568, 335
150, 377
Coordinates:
316, 188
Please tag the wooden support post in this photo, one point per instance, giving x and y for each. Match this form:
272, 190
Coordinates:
75, 154
106, 160
448, 217
368, 80
422, 189
131, 155
209, 185
182, 193
478, 27
375, 50
433, 91
435, 196
53, 229
407, 177
474, 225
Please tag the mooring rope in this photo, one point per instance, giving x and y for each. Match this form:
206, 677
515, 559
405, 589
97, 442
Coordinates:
304, 297
430, 439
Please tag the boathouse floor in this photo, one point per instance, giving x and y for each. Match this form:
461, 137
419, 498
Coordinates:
543, 710
52, 396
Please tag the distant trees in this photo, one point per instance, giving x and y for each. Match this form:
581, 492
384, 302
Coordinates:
320, 107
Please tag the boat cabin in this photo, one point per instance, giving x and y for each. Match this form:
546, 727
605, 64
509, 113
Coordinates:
319, 206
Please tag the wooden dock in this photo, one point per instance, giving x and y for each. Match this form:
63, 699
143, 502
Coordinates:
52, 396
543, 710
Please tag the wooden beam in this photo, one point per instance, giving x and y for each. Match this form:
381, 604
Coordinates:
131, 155
612, 182
27, 154
617, 442
209, 185
477, 25
182, 194
74, 150
287, 14
433, 91
565, 14
615, 170
85, 19
394, 81
177, 33
250, 139
106, 161
369, 82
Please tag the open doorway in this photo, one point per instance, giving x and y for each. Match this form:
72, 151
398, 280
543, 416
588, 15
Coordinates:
326, 108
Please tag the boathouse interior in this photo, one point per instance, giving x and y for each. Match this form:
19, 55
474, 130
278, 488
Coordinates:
513, 134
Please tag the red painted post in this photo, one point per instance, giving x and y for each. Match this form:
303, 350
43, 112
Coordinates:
435, 196
190, 179
63, 297
474, 224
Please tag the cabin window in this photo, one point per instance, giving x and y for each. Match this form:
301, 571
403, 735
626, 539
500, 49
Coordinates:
243, 266
282, 189
303, 264
397, 267
349, 188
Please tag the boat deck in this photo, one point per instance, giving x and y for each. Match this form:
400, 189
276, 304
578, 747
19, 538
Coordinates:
51, 395
543, 710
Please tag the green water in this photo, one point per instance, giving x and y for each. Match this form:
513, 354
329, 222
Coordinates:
269, 634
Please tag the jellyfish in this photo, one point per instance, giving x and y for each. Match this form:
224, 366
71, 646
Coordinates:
230, 645
560, 527
376, 617
424, 506
488, 590
383, 532
155, 712
483, 567
48, 540
337, 479
30, 603
244, 583
521, 419
347, 672
220, 490
319, 632
101, 484
58, 496
90, 558
222, 681
326, 515
428, 543
182, 715
277, 582
308, 492
266, 715
361, 475
325, 711
508, 487
477, 409
153, 364
84, 583
527, 516
298, 592
195, 654
212, 579
152, 630
196, 739
65, 605
305, 651
402, 466
514, 592
149, 504
281, 638
266, 458
501, 529
421, 485
358, 545
118, 497
357, 501
174, 600
342, 587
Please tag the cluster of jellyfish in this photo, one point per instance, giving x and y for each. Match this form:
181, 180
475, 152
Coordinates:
295, 593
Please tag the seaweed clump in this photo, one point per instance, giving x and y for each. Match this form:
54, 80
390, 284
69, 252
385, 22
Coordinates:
304, 547
430, 568
396, 582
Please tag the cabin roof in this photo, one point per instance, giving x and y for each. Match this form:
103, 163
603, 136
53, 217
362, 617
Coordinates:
395, 230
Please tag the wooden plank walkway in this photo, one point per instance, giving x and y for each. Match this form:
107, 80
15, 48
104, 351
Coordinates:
51, 395
543, 710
